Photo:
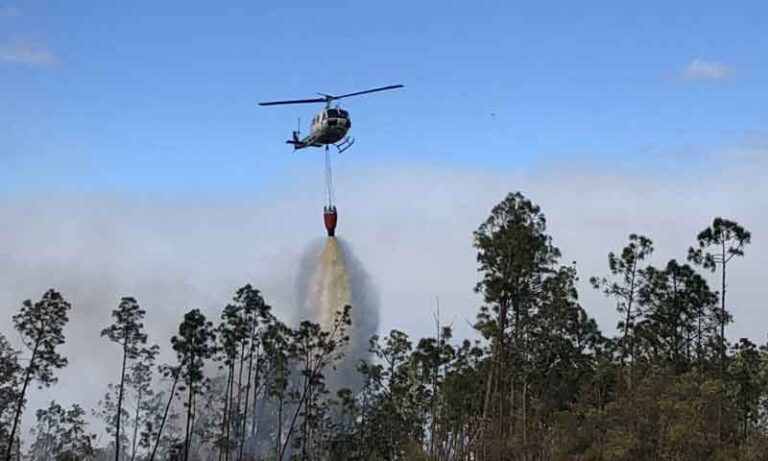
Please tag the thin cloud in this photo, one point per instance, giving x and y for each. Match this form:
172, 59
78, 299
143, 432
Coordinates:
23, 52
700, 69
8, 11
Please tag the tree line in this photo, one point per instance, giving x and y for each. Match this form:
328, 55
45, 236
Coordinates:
542, 383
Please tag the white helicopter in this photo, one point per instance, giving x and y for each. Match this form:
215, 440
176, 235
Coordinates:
330, 125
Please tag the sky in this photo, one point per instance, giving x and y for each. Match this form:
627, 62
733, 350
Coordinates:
134, 159
161, 97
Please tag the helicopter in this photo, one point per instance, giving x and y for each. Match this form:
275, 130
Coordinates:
329, 127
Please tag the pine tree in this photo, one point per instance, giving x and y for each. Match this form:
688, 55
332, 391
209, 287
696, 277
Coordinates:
514, 255
61, 434
41, 327
727, 239
625, 286
194, 344
748, 383
128, 332
10, 376
140, 381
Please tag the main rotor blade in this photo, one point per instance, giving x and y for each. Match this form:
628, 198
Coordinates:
292, 101
390, 87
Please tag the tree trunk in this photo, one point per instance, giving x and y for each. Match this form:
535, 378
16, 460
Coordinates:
254, 420
722, 349
278, 442
20, 403
194, 417
136, 426
230, 384
191, 392
722, 322
627, 320
165, 415
225, 415
239, 391
120, 399
247, 395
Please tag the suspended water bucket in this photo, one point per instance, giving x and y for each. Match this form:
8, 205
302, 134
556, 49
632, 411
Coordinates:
330, 217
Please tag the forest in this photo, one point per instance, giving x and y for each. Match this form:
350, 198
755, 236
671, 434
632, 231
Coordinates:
541, 382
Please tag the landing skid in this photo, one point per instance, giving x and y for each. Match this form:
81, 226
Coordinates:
345, 144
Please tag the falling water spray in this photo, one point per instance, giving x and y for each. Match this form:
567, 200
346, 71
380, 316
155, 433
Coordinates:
332, 278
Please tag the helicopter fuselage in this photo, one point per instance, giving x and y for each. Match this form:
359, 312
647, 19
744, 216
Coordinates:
328, 126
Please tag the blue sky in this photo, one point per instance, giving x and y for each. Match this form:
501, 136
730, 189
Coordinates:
160, 97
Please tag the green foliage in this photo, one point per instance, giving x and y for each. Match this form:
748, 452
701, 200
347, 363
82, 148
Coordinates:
61, 434
41, 327
128, 331
194, 344
728, 239
625, 286
541, 383
10, 377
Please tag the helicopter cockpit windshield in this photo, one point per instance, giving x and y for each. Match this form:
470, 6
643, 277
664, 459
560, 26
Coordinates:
336, 117
336, 113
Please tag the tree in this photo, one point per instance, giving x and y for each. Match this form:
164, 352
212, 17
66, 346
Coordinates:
677, 302
41, 327
229, 333
277, 342
258, 318
48, 432
727, 240
61, 434
193, 344
514, 255
390, 415
625, 286
239, 337
76, 444
160, 421
315, 349
747, 371
127, 331
9, 381
140, 381
107, 411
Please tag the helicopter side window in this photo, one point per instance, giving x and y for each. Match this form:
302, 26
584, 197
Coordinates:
332, 113
343, 114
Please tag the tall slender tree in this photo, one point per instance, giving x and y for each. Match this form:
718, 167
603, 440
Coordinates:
624, 286
127, 331
194, 344
140, 381
514, 255
41, 327
748, 371
677, 300
10, 375
277, 342
229, 334
173, 373
315, 350
257, 318
718, 244
61, 434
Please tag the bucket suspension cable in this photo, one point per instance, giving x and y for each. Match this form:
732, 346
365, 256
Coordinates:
329, 195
